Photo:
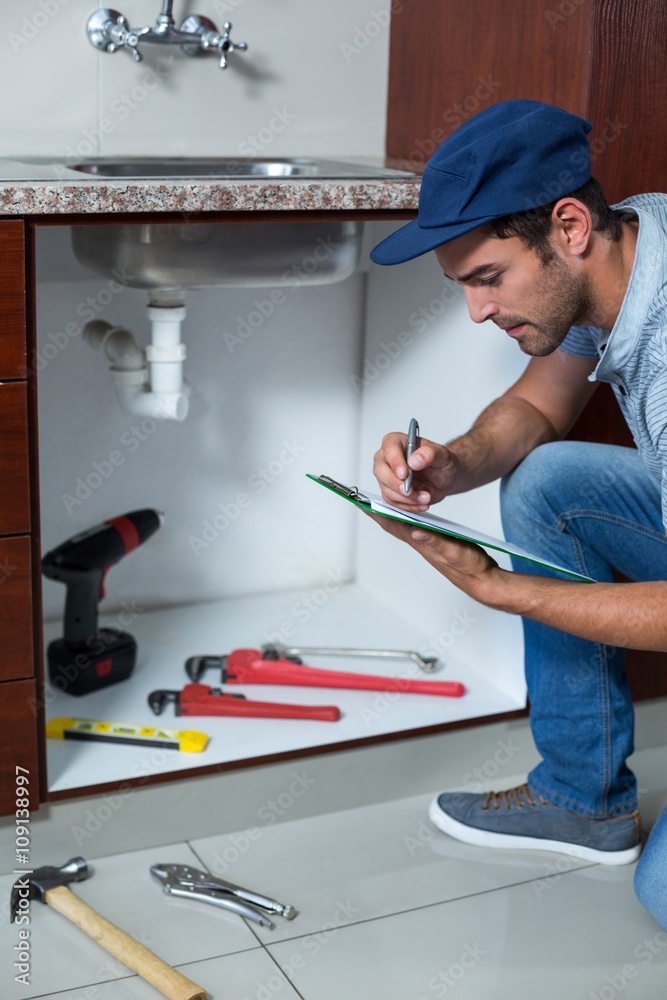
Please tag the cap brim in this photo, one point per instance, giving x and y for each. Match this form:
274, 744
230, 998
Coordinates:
414, 240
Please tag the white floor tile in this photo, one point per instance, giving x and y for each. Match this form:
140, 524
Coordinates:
248, 975
363, 863
388, 909
581, 937
121, 889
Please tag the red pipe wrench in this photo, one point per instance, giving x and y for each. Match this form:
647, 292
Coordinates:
250, 666
199, 699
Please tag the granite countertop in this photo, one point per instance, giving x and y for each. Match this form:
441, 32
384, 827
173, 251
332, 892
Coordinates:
43, 188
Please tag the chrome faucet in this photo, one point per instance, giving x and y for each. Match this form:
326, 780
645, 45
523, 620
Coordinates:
109, 30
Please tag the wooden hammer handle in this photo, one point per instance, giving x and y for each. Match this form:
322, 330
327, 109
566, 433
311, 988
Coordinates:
127, 949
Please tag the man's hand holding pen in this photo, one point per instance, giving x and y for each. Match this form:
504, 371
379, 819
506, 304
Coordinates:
430, 470
434, 469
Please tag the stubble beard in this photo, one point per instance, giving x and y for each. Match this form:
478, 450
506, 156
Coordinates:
565, 301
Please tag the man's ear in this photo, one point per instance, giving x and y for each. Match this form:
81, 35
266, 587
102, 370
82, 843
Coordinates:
571, 226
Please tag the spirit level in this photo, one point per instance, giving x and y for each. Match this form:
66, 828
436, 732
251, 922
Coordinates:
186, 740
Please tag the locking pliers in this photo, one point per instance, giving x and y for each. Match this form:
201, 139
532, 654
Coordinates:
192, 883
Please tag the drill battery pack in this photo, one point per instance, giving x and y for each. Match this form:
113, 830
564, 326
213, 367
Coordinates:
107, 658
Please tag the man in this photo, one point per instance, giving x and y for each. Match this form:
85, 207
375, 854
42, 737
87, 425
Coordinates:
509, 207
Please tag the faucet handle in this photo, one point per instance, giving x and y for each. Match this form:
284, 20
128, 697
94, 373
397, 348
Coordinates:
131, 40
110, 30
207, 38
225, 44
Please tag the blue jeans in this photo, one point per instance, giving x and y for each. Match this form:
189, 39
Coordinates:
592, 508
651, 873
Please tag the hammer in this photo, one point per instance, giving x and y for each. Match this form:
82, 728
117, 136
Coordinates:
49, 885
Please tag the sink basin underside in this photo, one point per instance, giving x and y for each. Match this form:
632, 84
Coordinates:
196, 255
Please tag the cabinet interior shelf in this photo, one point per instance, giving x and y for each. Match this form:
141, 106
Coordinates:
167, 637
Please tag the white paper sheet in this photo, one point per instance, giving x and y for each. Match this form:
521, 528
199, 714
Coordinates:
447, 527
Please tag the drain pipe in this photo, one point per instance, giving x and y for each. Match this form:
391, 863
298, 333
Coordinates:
161, 393
165, 355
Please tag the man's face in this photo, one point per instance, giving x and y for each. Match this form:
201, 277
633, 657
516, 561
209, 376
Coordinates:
504, 281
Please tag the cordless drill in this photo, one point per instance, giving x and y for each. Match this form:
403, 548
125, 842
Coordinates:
87, 657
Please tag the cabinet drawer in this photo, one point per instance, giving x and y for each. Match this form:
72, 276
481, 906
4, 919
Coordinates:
16, 609
12, 300
14, 478
18, 746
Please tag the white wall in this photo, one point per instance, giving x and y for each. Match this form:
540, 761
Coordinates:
263, 413
425, 358
314, 81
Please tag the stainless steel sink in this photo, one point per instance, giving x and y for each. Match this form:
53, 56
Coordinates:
234, 167
200, 254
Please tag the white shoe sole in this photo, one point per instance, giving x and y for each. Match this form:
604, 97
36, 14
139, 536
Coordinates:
486, 838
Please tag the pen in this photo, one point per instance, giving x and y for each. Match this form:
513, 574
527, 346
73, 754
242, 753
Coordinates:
413, 438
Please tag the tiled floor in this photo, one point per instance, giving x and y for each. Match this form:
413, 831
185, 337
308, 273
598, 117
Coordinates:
388, 909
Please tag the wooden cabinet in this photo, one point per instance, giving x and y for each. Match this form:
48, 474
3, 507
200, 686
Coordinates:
450, 59
13, 343
19, 744
20, 661
16, 612
14, 480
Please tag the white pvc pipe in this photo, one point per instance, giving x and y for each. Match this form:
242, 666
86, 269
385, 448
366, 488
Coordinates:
165, 396
134, 398
166, 353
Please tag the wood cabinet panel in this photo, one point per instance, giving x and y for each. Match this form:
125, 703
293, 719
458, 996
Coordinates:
12, 300
18, 744
16, 609
628, 96
14, 477
450, 59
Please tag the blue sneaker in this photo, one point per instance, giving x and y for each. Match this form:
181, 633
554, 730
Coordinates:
521, 818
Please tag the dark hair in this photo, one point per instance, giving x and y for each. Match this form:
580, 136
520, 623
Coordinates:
533, 226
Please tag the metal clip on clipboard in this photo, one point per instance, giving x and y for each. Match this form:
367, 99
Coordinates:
427, 663
351, 492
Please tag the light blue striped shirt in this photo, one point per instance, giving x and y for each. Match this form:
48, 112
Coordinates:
633, 355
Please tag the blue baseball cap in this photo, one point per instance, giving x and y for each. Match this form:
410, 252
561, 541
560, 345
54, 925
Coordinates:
511, 157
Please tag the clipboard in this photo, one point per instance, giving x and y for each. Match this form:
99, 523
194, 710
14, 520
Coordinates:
373, 503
